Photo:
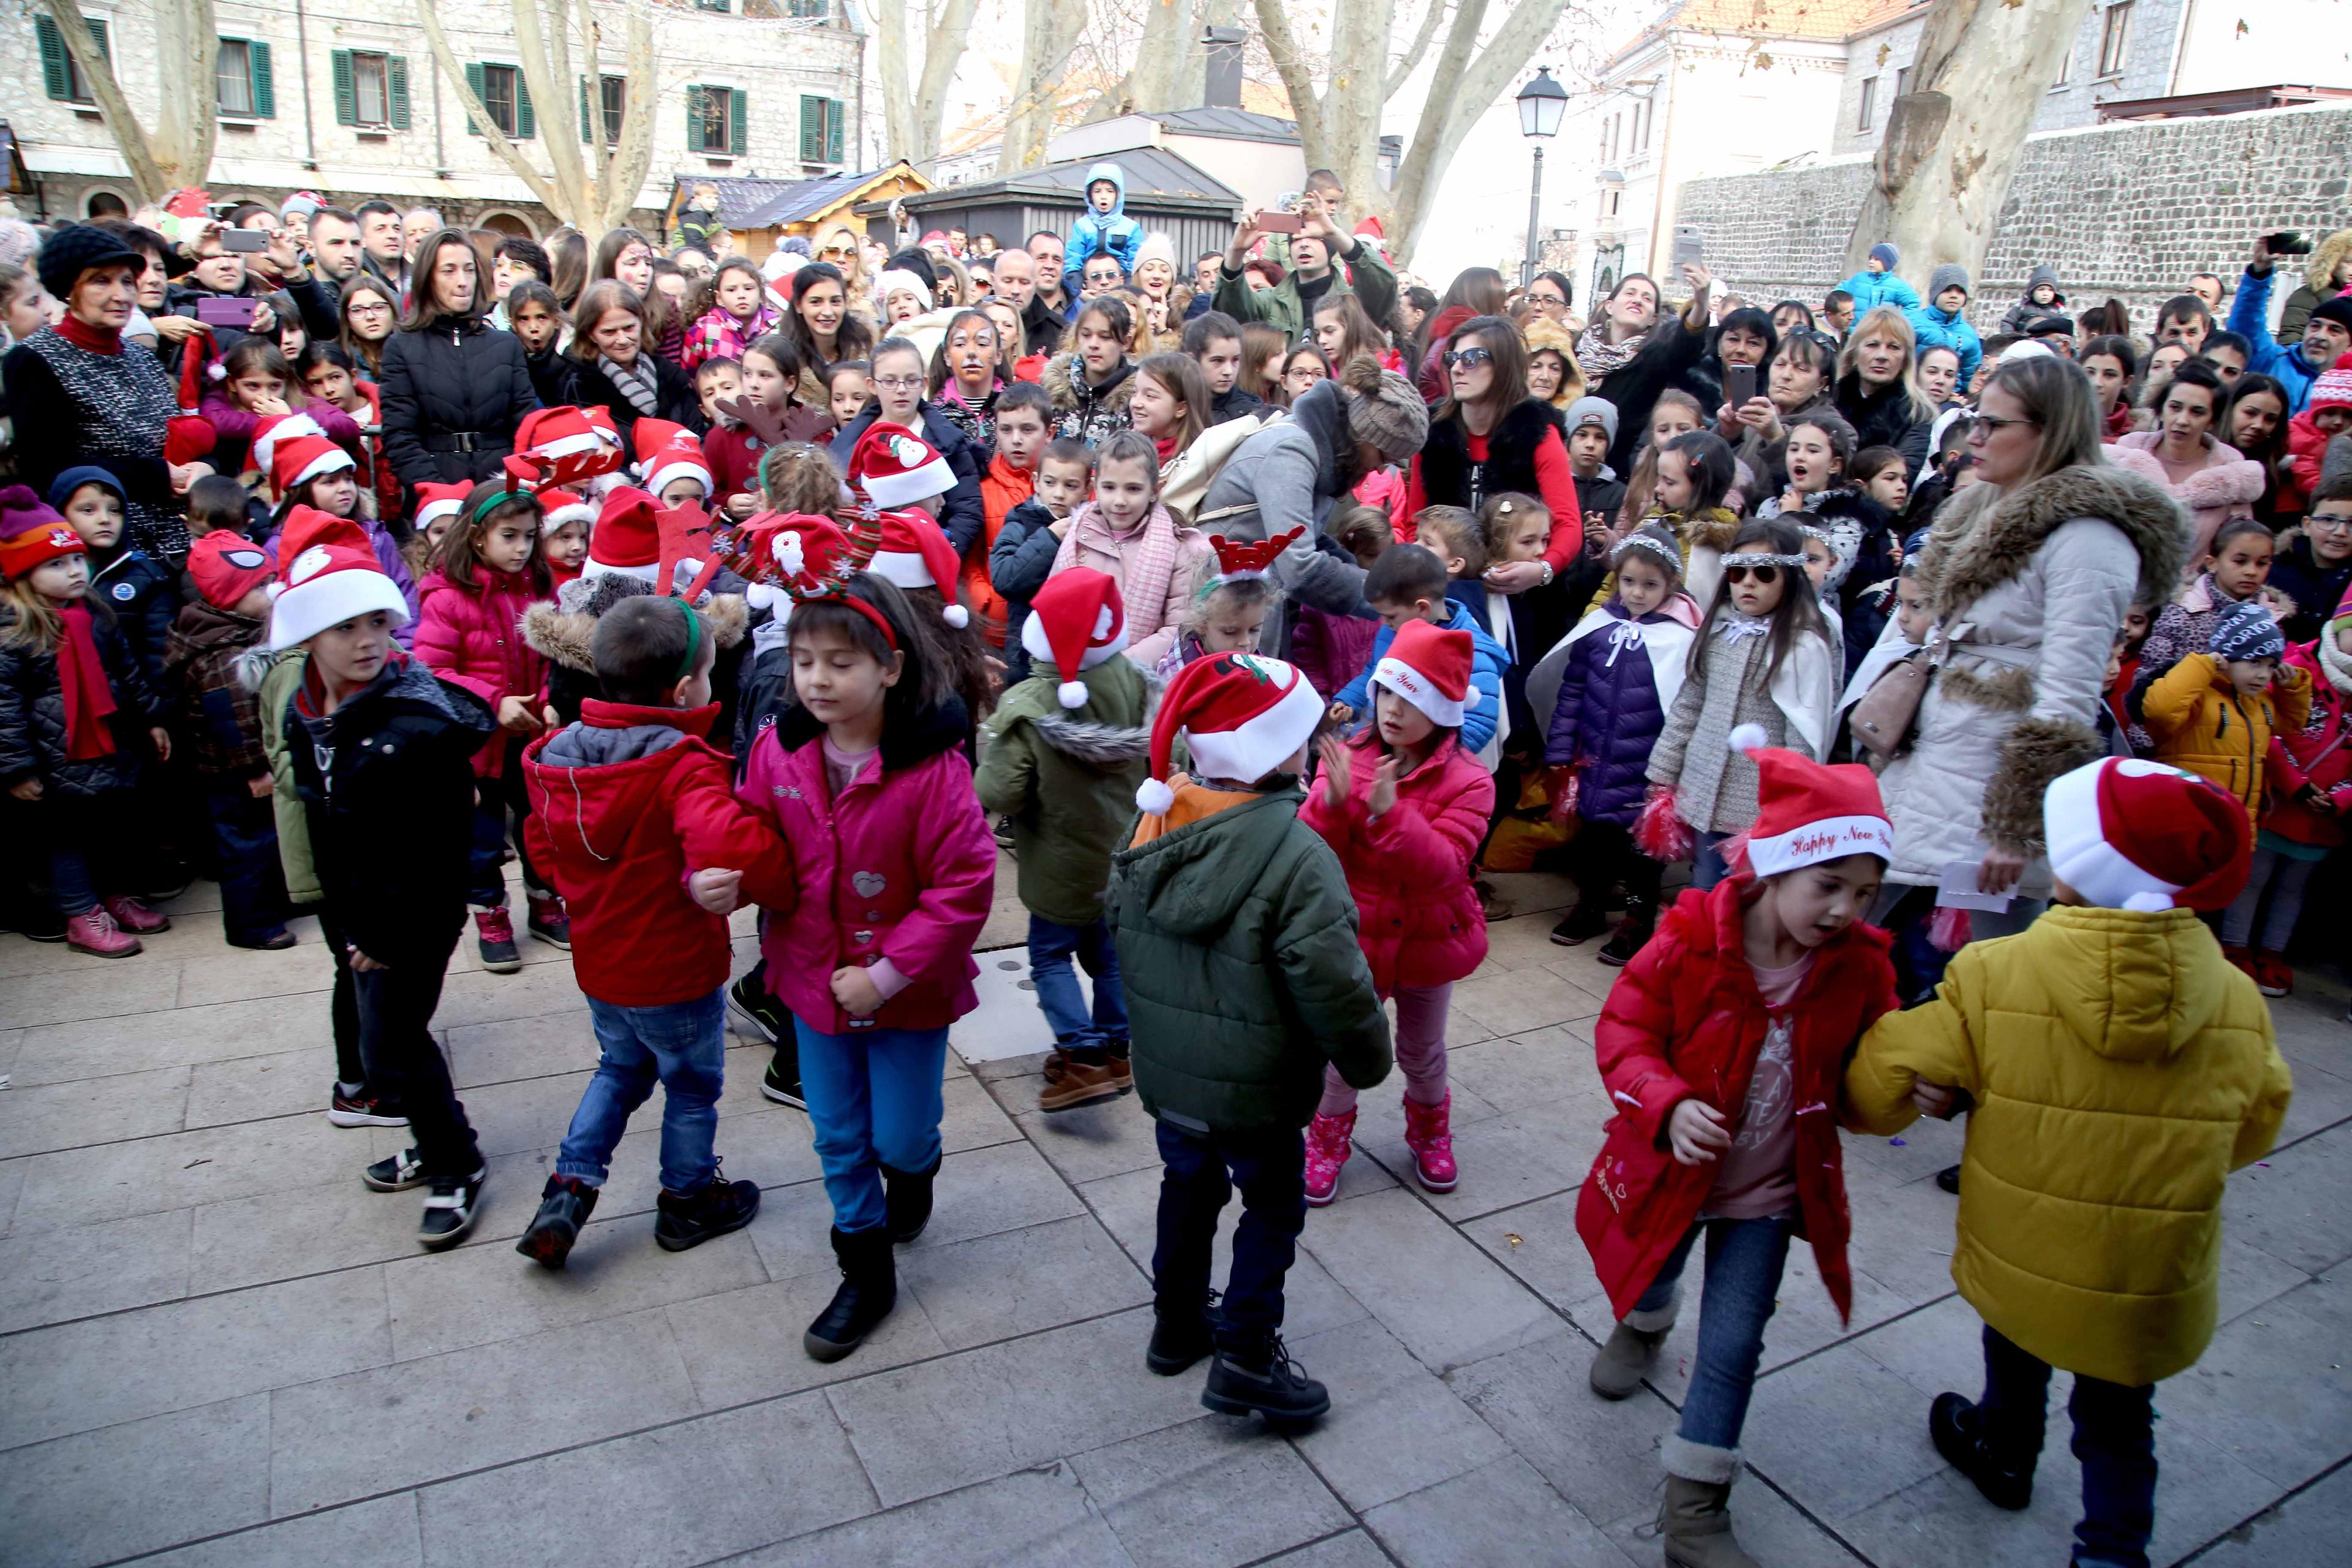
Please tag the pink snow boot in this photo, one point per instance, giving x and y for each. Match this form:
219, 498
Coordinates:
1328, 1148
1428, 1134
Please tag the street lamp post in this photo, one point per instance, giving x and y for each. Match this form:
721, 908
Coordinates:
1542, 102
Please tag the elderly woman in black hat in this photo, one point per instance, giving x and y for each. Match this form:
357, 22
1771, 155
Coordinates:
79, 395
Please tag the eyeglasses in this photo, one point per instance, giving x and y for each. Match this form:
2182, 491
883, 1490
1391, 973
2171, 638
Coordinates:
1765, 575
369, 308
899, 382
1546, 299
2313, 521
1985, 426
1472, 357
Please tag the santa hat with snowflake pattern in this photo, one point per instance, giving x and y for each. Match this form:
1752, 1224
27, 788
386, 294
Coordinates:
1076, 621
1242, 714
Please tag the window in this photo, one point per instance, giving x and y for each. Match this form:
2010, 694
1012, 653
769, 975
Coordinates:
718, 122
504, 93
1902, 82
60, 77
809, 10
1644, 113
821, 121
2114, 36
2066, 69
241, 70
370, 90
711, 5
613, 99
1869, 103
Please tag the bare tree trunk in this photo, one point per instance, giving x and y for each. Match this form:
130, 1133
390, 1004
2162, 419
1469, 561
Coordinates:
624, 171
1050, 33
912, 111
1943, 171
890, 58
179, 150
551, 195
1455, 101
1152, 82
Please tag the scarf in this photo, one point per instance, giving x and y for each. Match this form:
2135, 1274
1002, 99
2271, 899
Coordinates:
1145, 557
1167, 444
1596, 356
95, 339
82, 677
637, 383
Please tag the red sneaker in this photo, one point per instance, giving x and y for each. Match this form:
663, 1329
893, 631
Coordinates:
93, 931
2243, 959
2272, 976
133, 916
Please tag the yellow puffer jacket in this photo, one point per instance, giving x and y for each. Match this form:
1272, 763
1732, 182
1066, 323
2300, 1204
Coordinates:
2201, 725
2120, 1070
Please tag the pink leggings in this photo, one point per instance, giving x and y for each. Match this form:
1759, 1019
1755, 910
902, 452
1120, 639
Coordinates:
1419, 1051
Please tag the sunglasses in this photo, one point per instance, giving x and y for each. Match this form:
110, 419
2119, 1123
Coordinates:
1469, 356
1765, 575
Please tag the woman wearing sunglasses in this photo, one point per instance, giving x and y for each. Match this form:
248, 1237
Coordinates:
2031, 570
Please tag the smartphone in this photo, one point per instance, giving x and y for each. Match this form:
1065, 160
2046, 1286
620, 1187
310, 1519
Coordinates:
225, 310
1689, 245
1738, 385
249, 241
1279, 222
2288, 242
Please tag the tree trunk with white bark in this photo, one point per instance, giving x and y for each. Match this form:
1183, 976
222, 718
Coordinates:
1050, 32
178, 151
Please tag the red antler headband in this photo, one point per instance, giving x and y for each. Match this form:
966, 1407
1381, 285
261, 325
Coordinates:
1237, 560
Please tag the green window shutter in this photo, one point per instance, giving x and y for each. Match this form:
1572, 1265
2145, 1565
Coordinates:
395, 90
525, 123
739, 123
105, 47
694, 119
55, 79
347, 97
474, 79
265, 90
811, 130
834, 121
585, 133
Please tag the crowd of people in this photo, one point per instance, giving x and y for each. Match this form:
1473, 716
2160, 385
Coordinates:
1262, 604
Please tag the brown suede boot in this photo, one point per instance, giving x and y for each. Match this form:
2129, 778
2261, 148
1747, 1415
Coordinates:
1695, 1520
1621, 1365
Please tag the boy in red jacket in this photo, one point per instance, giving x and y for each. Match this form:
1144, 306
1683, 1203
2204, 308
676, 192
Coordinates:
634, 820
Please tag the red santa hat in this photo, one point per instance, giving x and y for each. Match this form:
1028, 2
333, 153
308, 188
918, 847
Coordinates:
200, 361
666, 452
188, 438
1429, 666
897, 467
328, 574
304, 458
2129, 835
226, 567
435, 502
277, 427
916, 554
1808, 812
1078, 621
563, 507
564, 445
627, 537
1243, 715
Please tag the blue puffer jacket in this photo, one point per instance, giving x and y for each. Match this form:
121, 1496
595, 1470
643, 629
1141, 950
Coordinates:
1113, 231
1940, 329
1487, 662
1870, 290
1608, 718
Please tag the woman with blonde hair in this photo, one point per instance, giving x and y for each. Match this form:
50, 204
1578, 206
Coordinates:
838, 245
1878, 389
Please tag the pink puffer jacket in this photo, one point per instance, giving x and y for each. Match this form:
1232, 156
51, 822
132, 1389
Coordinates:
2226, 487
473, 637
1410, 870
900, 866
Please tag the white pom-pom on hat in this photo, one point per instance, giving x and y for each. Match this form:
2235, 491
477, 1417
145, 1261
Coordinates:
1749, 738
1154, 797
2150, 903
1072, 693
216, 372
957, 616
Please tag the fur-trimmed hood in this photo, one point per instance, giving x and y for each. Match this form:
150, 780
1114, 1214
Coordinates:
563, 631
1712, 528
1983, 538
2319, 272
1061, 381
1095, 743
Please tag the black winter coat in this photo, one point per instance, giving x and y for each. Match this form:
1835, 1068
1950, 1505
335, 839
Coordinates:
1883, 420
1018, 564
962, 513
387, 783
452, 395
550, 376
143, 596
1233, 403
1667, 359
1449, 476
33, 713
589, 387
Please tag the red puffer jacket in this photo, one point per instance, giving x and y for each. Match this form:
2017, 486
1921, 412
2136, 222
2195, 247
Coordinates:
2318, 754
900, 866
625, 804
472, 638
1685, 1019
1410, 870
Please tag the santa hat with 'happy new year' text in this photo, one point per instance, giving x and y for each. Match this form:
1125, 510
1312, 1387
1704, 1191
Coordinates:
894, 467
1242, 714
916, 554
1429, 666
1807, 812
1076, 621
2130, 834
328, 574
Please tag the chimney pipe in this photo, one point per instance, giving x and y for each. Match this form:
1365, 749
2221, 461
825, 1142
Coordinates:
1223, 49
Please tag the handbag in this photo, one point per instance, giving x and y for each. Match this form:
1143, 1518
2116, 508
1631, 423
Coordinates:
1884, 720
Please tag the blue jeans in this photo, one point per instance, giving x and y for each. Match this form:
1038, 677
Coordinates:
252, 882
500, 806
1051, 946
683, 1047
1269, 1165
2115, 1438
1708, 865
1744, 1259
874, 1100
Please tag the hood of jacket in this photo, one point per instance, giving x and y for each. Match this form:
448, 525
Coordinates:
1091, 741
1065, 381
408, 682
2045, 273
1192, 879
2014, 525
2319, 272
2134, 986
1322, 412
563, 631
614, 732
1118, 177
204, 625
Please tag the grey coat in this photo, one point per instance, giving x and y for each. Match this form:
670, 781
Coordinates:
1289, 476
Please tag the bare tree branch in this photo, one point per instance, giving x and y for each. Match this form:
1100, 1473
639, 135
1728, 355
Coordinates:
507, 153
1051, 32
1458, 99
1411, 58
1282, 43
179, 150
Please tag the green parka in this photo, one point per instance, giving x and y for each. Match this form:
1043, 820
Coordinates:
1237, 952
276, 677
1066, 777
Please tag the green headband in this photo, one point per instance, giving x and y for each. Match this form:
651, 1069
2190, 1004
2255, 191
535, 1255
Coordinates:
482, 508
693, 640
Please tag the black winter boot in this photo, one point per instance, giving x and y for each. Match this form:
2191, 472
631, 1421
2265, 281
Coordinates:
869, 1289
689, 1219
1588, 920
1957, 1427
1181, 1334
1262, 1377
1640, 919
564, 1208
907, 1198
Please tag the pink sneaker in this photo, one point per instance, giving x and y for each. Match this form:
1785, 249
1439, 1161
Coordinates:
1328, 1148
93, 931
1428, 1133
133, 916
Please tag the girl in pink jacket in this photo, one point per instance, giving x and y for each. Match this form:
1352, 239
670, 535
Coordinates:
489, 568
1127, 536
1405, 807
869, 945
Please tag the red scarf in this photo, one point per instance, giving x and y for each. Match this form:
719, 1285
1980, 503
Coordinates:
1167, 444
81, 675
97, 340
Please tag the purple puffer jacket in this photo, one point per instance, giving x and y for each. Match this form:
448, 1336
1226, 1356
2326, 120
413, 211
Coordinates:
1611, 708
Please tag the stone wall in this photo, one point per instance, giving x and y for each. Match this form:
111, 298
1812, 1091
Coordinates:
2125, 210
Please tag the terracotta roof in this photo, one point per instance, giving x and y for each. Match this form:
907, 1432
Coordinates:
1779, 19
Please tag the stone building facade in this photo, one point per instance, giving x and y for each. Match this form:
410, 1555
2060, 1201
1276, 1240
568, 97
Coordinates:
2128, 210
348, 100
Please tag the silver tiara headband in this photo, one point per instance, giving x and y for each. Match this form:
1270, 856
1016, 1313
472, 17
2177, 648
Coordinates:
1762, 558
1654, 544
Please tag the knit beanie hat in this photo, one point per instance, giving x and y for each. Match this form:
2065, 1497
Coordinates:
74, 250
1383, 409
1243, 715
916, 554
2332, 388
1808, 811
1076, 621
1885, 255
277, 427
897, 467
1949, 274
328, 574
667, 453
303, 205
2131, 835
1156, 246
62, 488
627, 537
31, 533
1429, 666
2339, 310
226, 567
2245, 630
435, 502
898, 280
1593, 411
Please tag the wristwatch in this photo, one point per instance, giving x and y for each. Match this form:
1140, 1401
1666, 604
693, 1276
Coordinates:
1546, 576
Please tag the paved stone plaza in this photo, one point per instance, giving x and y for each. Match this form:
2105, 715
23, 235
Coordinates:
214, 1339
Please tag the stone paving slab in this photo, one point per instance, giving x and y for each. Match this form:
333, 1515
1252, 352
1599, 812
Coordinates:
216, 1348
